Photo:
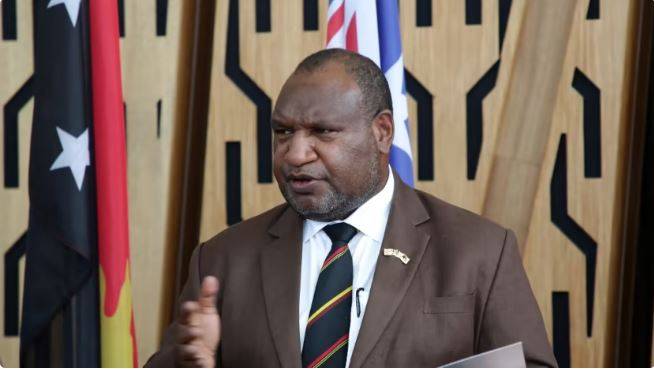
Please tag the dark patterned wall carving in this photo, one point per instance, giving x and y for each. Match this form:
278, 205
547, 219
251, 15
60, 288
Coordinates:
571, 229
11, 110
253, 92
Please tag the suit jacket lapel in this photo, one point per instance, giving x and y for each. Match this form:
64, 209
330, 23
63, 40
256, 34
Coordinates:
280, 270
392, 278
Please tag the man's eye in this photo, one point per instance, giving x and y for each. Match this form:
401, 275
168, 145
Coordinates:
283, 131
324, 131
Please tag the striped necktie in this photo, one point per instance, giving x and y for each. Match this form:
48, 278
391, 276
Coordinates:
328, 327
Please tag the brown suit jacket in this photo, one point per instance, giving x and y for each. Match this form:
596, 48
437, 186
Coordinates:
463, 292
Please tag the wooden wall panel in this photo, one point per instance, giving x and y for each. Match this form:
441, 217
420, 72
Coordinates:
16, 100
149, 53
573, 242
525, 117
150, 40
495, 84
467, 62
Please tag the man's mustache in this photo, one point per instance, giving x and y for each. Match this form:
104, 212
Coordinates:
303, 174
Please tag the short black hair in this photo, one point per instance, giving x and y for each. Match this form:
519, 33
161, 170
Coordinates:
375, 92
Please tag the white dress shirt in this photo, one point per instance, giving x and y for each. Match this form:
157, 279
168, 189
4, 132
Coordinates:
370, 221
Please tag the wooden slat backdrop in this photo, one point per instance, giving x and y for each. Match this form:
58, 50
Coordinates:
560, 252
16, 68
503, 88
149, 52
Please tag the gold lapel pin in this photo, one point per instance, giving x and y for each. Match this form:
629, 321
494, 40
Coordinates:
398, 254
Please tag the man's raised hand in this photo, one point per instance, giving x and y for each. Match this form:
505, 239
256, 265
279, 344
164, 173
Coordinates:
198, 333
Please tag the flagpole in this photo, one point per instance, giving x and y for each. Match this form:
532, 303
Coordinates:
81, 326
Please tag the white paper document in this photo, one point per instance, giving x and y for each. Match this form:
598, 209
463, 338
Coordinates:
510, 356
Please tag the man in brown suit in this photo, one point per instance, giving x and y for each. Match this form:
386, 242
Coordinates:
442, 283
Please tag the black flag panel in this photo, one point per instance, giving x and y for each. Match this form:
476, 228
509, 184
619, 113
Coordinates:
61, 246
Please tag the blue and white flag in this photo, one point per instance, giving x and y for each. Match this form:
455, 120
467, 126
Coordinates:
372, 28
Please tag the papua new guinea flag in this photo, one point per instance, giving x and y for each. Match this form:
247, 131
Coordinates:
78, 226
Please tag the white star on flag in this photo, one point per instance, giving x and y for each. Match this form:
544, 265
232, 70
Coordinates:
72, 7
74, 156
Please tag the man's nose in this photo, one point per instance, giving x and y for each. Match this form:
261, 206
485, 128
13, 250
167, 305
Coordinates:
300, 150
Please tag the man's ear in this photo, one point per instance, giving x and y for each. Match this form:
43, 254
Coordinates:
382, 129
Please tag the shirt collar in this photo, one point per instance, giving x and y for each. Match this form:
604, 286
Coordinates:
369, 219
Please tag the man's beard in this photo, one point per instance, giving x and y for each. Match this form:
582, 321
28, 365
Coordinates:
336, 205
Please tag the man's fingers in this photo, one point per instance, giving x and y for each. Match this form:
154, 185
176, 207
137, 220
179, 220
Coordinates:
188, 355
187, 311
208, 293
192, 355
206, 362
186, 334
188, 364
188, 352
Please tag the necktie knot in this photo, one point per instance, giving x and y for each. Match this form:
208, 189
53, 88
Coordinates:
340, 232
